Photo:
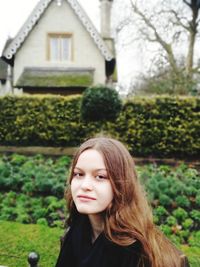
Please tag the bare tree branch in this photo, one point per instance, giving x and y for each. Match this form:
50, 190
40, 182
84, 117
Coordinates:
179, 20
166, 46
186, 2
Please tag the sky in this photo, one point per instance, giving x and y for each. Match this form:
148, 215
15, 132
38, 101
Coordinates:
13, 14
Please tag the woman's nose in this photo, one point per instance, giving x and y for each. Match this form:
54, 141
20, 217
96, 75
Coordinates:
87, 183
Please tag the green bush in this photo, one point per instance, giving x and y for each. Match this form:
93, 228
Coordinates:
180, 214
40, 121
150, 126
100, 103
175, 211
160, 126
35, 175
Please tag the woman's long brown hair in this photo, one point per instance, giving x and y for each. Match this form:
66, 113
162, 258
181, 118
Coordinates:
129, 217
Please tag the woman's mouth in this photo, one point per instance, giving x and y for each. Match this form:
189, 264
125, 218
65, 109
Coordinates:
85, 198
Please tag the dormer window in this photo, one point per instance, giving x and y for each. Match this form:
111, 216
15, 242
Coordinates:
59, 47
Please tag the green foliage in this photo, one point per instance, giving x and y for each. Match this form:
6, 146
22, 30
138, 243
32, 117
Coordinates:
42, 221
182, 201
160, 126
40, 121
165, 200
41, 182
195, 214
165, 82
180, 214
150, 126
193, 254
188, 223
27, 209
35, 175
100, 103
171, 221
166, 229
161, 212
175, 207
194, 239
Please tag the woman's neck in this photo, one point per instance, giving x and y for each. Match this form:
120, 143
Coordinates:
96, 222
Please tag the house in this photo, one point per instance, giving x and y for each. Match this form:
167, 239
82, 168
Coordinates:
58, 49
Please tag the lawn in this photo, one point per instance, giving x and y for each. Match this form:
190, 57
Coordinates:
18, 240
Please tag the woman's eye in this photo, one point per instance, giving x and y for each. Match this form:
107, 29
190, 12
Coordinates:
77, 174
101, 177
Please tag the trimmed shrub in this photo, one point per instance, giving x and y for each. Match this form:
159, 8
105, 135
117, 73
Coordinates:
100, 103
161, 126
40, 121
150, 126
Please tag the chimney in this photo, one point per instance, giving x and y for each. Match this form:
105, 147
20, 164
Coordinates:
105, 23
106, 6
105, 29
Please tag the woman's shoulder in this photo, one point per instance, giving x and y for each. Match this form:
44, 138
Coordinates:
133, 249
64, 236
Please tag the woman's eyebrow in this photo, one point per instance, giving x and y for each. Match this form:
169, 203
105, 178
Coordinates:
100, 169
77, 168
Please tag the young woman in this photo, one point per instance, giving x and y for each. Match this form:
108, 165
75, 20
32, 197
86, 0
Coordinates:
110, 221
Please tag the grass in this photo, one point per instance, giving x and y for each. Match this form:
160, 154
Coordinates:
18, 240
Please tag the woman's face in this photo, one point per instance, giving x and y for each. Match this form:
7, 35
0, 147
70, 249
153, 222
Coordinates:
91, 189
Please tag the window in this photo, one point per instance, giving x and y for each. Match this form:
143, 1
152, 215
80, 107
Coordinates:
60, 46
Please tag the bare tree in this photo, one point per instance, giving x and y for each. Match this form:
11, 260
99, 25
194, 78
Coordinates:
181, 21
168, 28
192, 28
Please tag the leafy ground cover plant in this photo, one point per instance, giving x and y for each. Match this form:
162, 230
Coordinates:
36, 175
23, 208
174, 196
32, 190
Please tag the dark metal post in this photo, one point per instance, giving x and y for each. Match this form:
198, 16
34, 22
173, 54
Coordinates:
33, 259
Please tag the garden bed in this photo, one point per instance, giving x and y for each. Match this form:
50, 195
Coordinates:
32, 191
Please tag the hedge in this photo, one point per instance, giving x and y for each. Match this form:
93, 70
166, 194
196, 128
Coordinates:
44, 121
161, 126
150, 126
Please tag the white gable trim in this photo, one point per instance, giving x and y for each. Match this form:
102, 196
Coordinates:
35, 16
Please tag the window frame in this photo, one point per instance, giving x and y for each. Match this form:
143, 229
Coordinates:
59, 35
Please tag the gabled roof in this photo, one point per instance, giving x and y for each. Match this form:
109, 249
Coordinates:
36, 14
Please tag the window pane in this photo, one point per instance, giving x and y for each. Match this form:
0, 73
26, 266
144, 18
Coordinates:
65, 48
54, 48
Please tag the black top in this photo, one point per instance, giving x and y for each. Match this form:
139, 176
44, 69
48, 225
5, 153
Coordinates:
78, 251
